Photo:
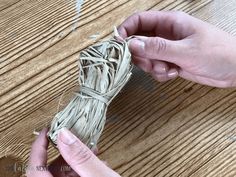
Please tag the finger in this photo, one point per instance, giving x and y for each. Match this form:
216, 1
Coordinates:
164, 24
157, 48
147, 65
160, 67
143, 21
80, 157
143, 63
37, 165
38, 155
160, 77
172, 74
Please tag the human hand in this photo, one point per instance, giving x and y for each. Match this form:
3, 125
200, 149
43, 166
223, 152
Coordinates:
171, 44
78, 156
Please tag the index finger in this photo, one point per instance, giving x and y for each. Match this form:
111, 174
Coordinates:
172, 25
146, 21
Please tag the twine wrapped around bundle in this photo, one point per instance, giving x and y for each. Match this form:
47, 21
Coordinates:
104, 69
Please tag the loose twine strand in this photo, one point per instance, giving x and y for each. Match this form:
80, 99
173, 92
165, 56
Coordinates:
104, 69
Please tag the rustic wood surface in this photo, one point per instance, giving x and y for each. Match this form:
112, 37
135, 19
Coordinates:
177, 128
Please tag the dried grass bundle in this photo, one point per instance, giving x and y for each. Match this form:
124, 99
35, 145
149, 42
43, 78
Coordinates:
104, 69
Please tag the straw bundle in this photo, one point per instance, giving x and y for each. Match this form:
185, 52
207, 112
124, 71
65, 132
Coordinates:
104, 69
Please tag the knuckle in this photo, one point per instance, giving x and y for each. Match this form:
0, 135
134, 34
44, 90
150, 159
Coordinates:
178, 30
157, 45
178, 14
136, 15
80, 156
179, 17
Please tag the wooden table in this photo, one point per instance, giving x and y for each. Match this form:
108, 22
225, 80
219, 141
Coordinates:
177, 128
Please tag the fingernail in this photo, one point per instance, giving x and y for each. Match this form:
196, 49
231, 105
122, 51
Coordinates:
160, 69
67, 137
173, 74
137, 43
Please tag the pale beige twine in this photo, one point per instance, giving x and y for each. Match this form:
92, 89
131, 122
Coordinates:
104, 69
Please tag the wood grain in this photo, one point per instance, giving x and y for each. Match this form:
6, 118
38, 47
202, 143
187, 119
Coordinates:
177, 128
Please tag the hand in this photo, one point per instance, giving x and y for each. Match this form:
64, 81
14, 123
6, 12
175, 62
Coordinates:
171, 44
74, 153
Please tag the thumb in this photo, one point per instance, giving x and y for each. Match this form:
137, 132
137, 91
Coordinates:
158, 48
81, 159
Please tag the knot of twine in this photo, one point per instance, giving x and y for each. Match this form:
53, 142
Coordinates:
104, 69
93, 94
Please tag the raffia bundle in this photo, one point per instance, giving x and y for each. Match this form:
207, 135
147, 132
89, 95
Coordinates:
104, 69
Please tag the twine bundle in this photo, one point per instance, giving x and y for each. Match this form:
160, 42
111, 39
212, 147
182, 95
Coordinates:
104, 69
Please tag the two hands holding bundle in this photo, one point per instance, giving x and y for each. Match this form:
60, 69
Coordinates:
166, 45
